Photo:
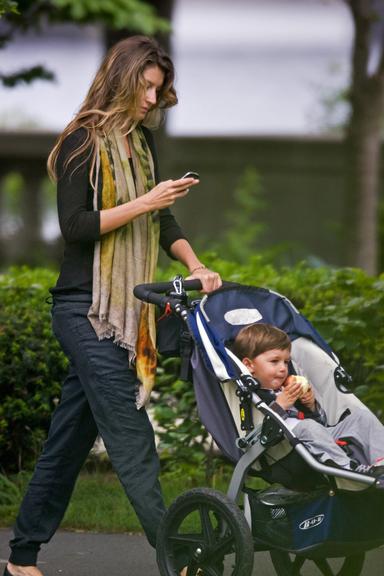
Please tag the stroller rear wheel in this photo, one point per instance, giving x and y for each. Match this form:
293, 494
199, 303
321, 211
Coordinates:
206, 532
287, 564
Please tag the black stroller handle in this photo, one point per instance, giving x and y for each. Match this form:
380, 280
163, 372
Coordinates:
155, 293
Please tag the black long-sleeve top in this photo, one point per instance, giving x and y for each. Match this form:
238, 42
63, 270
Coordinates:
80, 223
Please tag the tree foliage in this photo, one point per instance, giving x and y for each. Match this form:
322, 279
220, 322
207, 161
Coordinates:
22, 15
26, 76
8, 6
245, 227
134, 15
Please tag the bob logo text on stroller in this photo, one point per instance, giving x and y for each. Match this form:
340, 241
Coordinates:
311, 522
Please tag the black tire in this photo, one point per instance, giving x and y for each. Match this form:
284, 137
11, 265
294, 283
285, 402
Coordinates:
206, 531
286, 564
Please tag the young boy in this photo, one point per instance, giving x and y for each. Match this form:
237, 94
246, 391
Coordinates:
266, 351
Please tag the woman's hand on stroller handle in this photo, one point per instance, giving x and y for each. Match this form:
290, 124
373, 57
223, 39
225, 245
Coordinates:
210, 280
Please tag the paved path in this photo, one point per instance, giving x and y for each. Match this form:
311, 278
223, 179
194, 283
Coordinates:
89, 554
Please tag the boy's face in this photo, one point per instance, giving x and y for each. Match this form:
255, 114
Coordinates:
270, 368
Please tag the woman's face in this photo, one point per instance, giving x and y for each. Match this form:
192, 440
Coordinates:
153, 81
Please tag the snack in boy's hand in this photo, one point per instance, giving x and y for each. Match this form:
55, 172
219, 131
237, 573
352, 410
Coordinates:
294, 379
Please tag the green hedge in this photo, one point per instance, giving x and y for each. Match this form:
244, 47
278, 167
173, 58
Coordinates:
31, 365
345, 305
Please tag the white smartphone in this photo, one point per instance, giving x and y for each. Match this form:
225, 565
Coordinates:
191, 175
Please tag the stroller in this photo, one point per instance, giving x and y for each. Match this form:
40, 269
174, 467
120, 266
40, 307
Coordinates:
310, 512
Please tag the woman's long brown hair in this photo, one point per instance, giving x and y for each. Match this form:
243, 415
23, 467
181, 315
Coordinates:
113, 97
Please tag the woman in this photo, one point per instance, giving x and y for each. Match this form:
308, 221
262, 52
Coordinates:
112, 216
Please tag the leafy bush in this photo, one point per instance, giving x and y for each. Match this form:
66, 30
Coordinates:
9, 492
31, 365
185, 445
345, 305
245, 228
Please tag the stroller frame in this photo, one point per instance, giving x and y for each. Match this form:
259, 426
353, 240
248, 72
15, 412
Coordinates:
173, 296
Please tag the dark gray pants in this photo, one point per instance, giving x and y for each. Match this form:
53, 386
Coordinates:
97, 396
361, 426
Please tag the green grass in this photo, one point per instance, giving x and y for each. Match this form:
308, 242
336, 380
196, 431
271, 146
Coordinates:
99, 502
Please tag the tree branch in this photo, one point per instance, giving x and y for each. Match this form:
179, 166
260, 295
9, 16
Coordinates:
26, 76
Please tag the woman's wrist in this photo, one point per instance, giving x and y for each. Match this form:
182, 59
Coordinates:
194, 269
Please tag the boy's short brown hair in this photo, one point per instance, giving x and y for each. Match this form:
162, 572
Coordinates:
255, 339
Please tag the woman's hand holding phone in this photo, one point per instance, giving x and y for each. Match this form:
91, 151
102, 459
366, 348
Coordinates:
189, 179
167, 192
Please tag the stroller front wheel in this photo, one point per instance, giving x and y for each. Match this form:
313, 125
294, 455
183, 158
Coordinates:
206, 532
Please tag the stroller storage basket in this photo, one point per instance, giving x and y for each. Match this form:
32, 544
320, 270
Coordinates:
318, 523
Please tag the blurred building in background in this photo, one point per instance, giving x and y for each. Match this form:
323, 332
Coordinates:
259, 84
256, 67
248, 67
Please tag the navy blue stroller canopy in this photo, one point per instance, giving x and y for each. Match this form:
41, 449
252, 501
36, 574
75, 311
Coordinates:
230, 309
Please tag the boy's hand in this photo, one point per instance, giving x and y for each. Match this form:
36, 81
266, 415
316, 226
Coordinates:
309, 400
290, 392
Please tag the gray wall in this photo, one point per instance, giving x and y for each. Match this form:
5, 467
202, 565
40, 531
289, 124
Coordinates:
302, 180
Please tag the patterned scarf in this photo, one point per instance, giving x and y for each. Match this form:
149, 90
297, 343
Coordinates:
126, 256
